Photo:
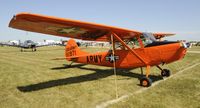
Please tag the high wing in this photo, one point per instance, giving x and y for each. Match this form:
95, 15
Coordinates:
71, 28
162, 35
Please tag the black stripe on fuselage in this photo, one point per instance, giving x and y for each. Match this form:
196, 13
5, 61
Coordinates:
158, 43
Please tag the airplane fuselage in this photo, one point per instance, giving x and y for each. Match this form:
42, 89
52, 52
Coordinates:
154, 55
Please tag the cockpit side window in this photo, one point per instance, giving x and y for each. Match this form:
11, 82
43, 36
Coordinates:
137, 42
133, 43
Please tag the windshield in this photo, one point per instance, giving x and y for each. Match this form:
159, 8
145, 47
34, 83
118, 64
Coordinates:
148, 38
29, 41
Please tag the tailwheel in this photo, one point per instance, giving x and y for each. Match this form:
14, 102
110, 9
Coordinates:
165, 72
145, 82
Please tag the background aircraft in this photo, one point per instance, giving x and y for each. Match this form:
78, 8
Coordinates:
28, 44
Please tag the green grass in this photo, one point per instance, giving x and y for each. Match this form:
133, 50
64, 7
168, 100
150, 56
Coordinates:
32, 79
179, 92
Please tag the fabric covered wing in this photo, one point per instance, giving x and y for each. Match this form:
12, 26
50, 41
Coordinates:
71, 28
162, 35
67, 27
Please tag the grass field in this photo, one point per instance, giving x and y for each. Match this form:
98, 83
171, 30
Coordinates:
195, 48
32, 79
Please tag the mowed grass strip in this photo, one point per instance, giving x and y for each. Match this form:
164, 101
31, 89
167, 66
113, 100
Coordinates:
32, 79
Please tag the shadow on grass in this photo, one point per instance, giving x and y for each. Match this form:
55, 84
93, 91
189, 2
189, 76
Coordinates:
98, 74
67, 66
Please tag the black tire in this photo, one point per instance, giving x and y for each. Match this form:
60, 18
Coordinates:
165, 72
145, 82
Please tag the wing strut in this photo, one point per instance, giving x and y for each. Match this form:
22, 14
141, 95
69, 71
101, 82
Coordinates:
114, 65
132, 51
144, 81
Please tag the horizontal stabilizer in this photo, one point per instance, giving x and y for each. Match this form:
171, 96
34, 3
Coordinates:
58, 59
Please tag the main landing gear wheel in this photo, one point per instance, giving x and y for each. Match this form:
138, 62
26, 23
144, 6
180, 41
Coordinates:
145, 82
165, 72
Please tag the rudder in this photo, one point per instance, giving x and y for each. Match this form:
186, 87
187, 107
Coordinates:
72, 49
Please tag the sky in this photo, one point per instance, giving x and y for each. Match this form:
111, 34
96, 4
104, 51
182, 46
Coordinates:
175, 16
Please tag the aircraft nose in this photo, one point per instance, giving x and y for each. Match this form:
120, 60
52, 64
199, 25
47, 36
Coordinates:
183, 49
183, 45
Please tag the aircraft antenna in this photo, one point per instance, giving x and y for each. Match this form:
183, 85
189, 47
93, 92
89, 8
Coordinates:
114, 65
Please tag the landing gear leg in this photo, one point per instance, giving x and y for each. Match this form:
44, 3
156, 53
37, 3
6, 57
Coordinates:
68, 65
145, 81
141, 70
164, 72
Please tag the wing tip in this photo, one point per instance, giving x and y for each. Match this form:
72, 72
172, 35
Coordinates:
164, 34
23, 13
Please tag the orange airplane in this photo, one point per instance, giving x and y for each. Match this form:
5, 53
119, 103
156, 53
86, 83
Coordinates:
130, 48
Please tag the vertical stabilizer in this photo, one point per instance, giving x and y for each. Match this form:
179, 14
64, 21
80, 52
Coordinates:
72, 49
